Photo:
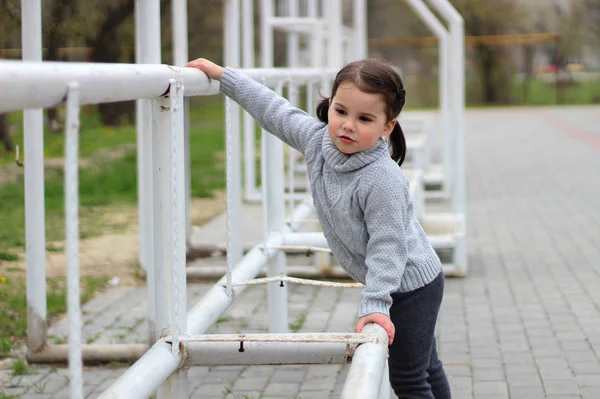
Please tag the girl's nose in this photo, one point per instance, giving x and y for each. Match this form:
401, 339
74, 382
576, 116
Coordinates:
349, 126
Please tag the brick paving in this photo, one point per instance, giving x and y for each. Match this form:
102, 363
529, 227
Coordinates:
524, 324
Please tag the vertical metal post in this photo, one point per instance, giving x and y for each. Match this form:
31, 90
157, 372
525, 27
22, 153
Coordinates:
273, 191
335, 40
249, 130
148, 13
266, 33
293, 39
440, 31
315, 42
72, 239
161, 208
234, 166
292, 153
177, 384
35, 237
169, 286
140, 117
359, 10
180, 58
459, 200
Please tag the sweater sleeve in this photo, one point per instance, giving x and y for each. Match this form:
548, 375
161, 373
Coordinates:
274, 113
385, 203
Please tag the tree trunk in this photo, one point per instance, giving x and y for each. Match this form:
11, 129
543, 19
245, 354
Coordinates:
105, 48
5, 137
61, 11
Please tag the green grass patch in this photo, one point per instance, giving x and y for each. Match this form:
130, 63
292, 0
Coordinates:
8, 257
111, 182
538, 91
13, 304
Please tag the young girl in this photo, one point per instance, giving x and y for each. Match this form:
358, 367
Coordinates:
364, 206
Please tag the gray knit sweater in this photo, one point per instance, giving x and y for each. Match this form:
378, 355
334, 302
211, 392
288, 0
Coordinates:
362, 200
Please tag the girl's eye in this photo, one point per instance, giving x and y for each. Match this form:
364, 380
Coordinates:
340, 111
365, 119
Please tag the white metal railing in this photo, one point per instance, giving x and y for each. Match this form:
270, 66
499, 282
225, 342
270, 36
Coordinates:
176, 328
159, 90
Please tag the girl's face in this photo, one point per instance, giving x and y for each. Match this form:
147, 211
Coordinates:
357, 119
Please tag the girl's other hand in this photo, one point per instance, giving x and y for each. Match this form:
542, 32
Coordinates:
212, 70
378, 318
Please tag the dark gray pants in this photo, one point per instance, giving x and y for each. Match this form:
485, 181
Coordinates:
415, 370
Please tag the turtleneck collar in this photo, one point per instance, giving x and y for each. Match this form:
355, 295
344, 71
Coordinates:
341, 162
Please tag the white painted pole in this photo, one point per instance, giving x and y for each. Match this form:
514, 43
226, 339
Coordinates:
368, 363
440, 31
161, 160
459, 200
145, 376
148, 12
262, 349
180, 58
292, 153
360, 27
384, 388
102, 83
293, 60
273, 193
35, 236
178, 216
249, 129
169, 276
315, 39
234, 166
72, 240
293, 39
177, 384
335, 33
266, 33
140, 117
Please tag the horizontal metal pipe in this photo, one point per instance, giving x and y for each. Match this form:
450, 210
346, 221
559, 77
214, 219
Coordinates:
103, 83
94, 353
305, 239
263, 349
100, 83
211, 272
207, 310
300, 76
261, 353
143, 378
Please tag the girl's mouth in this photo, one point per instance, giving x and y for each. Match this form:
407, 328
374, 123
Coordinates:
346, 139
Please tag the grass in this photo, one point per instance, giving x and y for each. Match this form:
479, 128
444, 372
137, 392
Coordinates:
13, 308
423, 94
108, 182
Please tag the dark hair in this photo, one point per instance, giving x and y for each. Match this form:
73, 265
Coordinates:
374, 77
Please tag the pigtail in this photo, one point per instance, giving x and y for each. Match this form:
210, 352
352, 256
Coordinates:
397, 144
322, 110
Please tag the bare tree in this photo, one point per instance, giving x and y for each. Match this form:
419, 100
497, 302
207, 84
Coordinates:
60, 23
493, 62
10, 21
592, 8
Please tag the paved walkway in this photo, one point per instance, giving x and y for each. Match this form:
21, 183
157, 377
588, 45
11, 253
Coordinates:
524, 324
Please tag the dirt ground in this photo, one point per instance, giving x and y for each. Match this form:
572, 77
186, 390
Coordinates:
115, 254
